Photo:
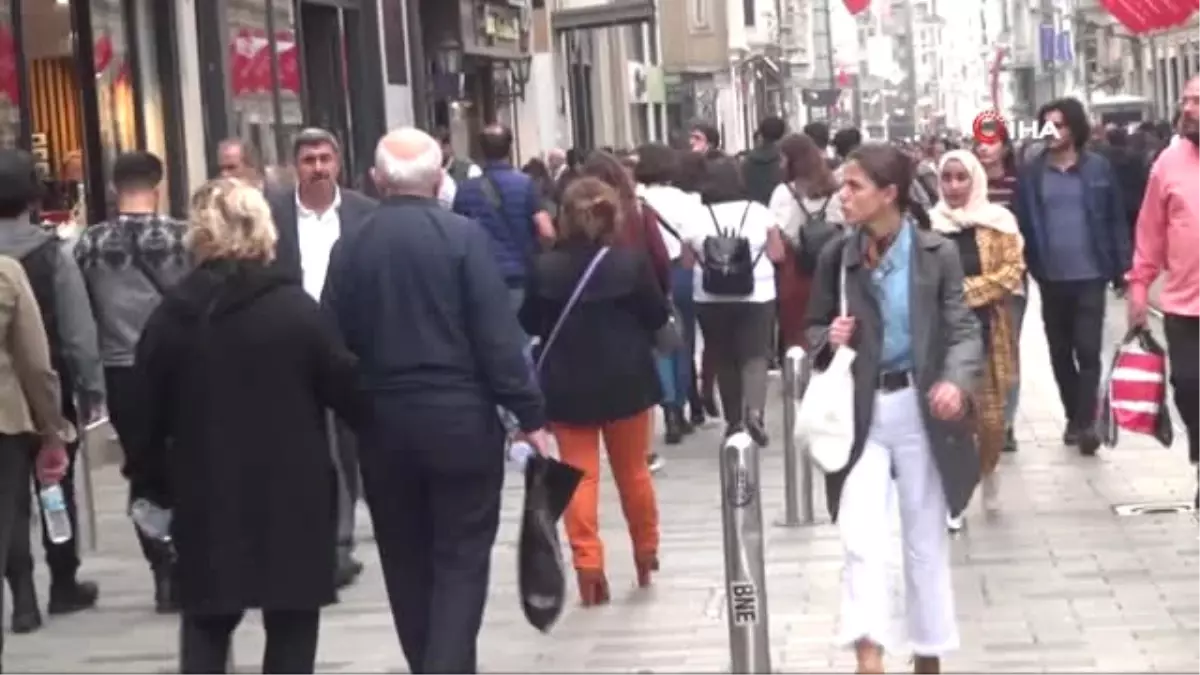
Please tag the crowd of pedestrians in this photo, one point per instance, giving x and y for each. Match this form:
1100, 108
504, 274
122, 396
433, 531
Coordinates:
294, 345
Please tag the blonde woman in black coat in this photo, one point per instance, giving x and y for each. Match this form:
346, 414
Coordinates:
239, 366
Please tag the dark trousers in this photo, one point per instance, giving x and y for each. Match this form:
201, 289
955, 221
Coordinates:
737, 337
435, 530
1073, 316
291, 641
16, 460
1183, 351
125, 410
345, 461
62, 559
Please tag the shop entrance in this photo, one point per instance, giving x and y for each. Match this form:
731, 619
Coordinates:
73, 91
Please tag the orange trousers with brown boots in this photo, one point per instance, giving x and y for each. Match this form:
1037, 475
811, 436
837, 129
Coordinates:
627, 442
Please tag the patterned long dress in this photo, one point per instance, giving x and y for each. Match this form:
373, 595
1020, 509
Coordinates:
993, 264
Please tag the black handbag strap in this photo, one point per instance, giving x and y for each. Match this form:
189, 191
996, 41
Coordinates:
741, 224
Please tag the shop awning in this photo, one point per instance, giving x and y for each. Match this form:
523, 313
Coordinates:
603, 15
1145, 16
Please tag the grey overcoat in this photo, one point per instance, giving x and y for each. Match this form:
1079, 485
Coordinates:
946, 345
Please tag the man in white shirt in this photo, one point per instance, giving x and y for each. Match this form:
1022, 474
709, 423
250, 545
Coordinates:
310, 219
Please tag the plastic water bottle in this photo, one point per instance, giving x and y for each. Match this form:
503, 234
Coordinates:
519, 453
54, 512
151, 519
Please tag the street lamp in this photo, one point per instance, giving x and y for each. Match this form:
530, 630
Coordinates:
510, 78
449, 79
520, 74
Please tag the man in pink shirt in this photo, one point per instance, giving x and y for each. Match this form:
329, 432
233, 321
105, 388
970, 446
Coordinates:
1168, 239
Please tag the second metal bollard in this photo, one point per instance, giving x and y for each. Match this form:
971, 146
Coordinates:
797, 467
745, 568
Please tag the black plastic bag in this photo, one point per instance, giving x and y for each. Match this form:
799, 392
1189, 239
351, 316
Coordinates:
541, 578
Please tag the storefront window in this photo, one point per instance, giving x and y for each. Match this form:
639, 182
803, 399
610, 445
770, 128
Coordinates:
111, 61
260, 118
10, 91
55, 104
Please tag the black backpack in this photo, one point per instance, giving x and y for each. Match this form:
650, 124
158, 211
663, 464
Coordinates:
728, 266
41, 266
815, 232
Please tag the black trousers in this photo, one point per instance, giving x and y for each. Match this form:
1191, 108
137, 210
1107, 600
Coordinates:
291, 641
435, 530
1183, 352
62, 559
1073, 316
345, 461
16, 461
125, 410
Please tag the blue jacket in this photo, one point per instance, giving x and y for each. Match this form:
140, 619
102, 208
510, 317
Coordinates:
510, 227
1106, 216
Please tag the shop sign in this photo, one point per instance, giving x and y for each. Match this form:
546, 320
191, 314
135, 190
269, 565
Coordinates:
250, 62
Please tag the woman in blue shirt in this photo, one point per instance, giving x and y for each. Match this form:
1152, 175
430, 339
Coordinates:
919, 357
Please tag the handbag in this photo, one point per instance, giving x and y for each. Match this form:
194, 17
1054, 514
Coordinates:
544, 348
825, 411
1135, 391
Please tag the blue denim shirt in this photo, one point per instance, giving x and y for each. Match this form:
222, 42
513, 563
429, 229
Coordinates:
891, 279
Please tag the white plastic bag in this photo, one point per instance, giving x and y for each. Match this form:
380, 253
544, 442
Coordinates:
825, 412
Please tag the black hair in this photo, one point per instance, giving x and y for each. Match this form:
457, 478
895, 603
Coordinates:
19, 184
819, 132
250, 154
846, 140
136, 170
1117, 137
314, 136
709, 132
887, 165
1074, 118
657, 164
495, 142
574, 157
771, 129
722, 182
690, 174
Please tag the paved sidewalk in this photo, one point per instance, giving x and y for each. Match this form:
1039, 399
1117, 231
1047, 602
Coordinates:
1055, 583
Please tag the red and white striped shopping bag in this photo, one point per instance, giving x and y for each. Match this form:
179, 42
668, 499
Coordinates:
1135, 393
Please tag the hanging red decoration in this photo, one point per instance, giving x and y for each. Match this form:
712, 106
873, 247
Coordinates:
289, 61
1144, 16
250, 62
9, 86
843, 78
102, 53
856, 6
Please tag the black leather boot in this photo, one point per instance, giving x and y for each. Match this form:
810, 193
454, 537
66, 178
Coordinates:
26, 617
673, 434
166, 600
70, 595
757, 428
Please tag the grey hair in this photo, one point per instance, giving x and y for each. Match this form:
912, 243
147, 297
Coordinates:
421, 173
311, 136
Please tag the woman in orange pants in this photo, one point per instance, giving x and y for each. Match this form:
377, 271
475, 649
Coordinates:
595, 308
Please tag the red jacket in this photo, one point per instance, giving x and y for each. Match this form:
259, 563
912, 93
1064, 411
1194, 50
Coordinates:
645, 234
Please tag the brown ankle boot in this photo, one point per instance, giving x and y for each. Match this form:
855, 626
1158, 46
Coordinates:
647, 565
927, 665
593, 587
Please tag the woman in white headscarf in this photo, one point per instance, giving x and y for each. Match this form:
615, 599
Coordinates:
993, 260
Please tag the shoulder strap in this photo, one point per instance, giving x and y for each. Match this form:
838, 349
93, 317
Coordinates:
571, 302
745, 211
716, 224
661, 221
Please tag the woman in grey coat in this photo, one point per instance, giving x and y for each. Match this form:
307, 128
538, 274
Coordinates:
919, 357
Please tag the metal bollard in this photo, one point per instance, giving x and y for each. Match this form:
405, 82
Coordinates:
797, 471
745, 569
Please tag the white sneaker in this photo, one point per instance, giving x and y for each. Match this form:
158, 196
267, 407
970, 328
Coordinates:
955, 524
991, 492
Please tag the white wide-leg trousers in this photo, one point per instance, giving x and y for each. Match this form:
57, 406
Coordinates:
896, 448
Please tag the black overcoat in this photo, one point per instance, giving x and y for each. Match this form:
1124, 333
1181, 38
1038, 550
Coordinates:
240, 364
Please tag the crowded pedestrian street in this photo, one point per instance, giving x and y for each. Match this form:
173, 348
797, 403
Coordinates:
1056, 581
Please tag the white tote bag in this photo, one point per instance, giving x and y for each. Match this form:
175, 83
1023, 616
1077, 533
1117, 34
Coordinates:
825, 412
